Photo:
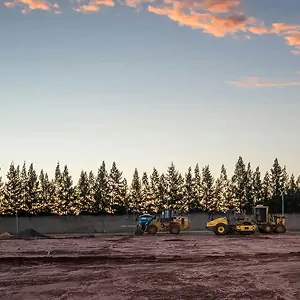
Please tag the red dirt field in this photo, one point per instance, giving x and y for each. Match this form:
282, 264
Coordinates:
147, 267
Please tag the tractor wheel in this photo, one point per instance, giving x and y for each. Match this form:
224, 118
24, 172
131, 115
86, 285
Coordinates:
174, 228
221, 229
138, 231
152, 229
280, 228
267, 228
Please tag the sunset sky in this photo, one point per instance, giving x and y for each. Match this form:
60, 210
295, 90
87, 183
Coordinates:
145, 83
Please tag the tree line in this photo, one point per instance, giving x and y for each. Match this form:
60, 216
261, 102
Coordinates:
108, 192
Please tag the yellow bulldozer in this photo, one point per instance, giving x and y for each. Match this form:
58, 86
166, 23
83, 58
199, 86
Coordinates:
261, 221
168, 221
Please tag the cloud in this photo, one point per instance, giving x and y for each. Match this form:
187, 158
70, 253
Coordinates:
198, 15
93, 6
257, 82
29, 5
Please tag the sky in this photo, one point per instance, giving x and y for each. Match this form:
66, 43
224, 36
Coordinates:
146, 83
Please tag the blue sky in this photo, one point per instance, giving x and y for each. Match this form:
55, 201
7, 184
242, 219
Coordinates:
198, 82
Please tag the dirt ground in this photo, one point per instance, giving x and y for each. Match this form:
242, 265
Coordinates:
147, 267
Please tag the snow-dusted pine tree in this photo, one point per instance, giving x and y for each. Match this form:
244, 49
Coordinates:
208, 190
257, 187
189, 192
101, 191
136, 193
175, 184
12, 190
116, 197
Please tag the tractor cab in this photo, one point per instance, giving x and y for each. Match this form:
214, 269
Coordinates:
260, 214
145, 220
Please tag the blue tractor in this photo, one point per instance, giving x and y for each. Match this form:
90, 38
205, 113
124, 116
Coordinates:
144, 221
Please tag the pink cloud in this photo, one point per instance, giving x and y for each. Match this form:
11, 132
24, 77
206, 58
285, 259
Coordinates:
93, 6
257, 82
29, 5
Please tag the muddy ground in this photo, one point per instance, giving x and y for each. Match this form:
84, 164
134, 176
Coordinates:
152, 267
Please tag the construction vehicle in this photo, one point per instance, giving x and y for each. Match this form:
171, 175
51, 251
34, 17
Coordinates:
168, 221
260, 221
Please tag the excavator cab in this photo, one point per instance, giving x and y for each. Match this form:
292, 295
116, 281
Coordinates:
260, 214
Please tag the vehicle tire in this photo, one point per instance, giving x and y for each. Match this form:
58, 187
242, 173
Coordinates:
280, 228
221, 229
152, 229
174, 228
138, 231
267, 228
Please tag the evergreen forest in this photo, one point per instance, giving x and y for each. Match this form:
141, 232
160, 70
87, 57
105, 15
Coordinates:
107, 192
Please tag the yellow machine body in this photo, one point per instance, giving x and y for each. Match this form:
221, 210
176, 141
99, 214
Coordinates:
261, 221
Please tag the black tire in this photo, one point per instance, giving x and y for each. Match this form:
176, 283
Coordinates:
174, 228
139, 231
152, 229
280, 228
221, 229
268, 228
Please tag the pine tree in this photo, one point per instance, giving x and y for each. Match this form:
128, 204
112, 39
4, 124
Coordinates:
33, 204
155, 190
174, 185
239, 183
223, 193
284, 179
249, 192
266, 189
136, 193
116, 200
84, 199
257, 187
276, 178
46, 193
189, 190
162, 204
102, 190
92, 182
12, 191
1, 194
64, 191
148, 203
208, 190
24, 198
196, 203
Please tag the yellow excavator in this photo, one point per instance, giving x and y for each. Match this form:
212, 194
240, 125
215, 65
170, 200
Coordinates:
261, 221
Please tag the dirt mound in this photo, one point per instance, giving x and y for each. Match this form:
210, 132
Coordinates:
31, 233
5, 236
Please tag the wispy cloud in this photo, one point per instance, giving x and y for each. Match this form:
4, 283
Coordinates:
257, 82
92, 6
29, 5
218, 18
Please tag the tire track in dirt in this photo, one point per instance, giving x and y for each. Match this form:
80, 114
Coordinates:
120, 259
